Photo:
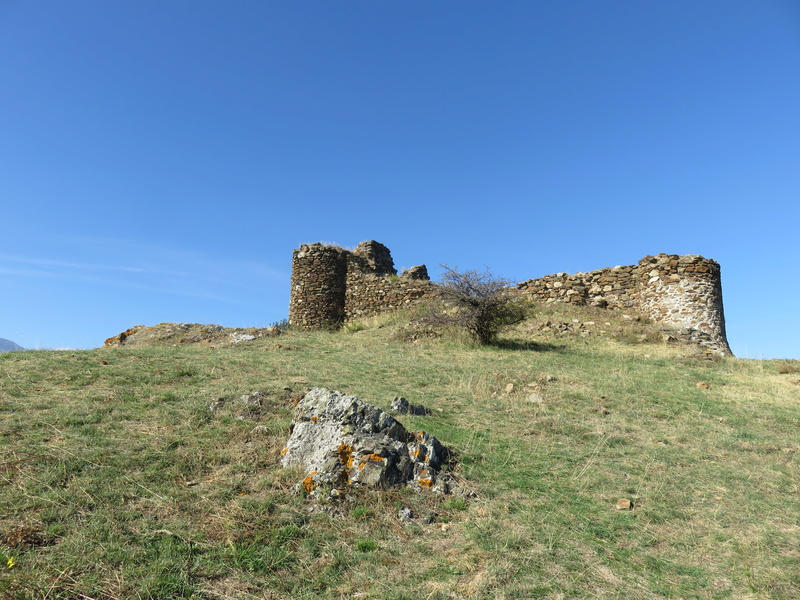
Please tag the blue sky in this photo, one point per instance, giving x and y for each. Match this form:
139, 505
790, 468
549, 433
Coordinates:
160, 160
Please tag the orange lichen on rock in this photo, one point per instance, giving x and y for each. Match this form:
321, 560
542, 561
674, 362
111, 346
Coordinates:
424, 480
119, 339
372, 457
346, 455
308, 482
360, 445
284, 451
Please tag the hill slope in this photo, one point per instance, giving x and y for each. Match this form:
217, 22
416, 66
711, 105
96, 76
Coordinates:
9, 346
120, 481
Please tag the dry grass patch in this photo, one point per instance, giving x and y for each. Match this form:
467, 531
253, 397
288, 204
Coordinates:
142, 491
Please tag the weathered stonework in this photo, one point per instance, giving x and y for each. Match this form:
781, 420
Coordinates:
608, 288
318, 286
683, 292
339, 440
331, 286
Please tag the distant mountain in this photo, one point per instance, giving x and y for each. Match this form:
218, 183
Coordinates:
9, 346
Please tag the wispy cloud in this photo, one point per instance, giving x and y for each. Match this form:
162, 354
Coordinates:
49, 262
145, 267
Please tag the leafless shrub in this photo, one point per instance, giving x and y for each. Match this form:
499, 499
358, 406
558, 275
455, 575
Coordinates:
477, 302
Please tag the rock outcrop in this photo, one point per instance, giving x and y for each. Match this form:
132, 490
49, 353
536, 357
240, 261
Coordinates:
213, 336
339, 440
404, 407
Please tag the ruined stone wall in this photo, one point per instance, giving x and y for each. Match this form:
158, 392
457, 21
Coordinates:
373, 285
318, 283
370, 295
612, 287
331, 285
684, 292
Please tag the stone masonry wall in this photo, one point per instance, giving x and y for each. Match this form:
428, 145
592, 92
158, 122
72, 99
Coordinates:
610, 287
373, 285
684, 292
318, 286
331, 285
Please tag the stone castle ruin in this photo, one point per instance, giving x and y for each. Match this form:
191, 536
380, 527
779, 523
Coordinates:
331, 286
682, 292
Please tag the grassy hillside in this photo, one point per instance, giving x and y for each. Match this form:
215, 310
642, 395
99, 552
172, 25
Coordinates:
117, 481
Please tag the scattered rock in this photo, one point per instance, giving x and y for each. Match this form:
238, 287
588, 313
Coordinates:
216, 405
188, 333
250, 405
338, 440
509, 388
253, 400
402, 406
419, 329
536, 398
563, 327
405, 514
237, 337
702, 385
624, 504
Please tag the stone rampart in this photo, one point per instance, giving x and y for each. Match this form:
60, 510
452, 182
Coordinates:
318, 283
683, 292
610, 287
331, 286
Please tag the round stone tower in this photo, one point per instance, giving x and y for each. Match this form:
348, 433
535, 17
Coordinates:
685, 292
318, 286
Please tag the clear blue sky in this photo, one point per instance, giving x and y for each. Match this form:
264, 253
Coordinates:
159, 160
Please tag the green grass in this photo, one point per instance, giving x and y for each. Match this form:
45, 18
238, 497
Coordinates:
117, 481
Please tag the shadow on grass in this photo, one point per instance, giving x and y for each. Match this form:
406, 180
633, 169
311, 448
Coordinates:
514, 344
